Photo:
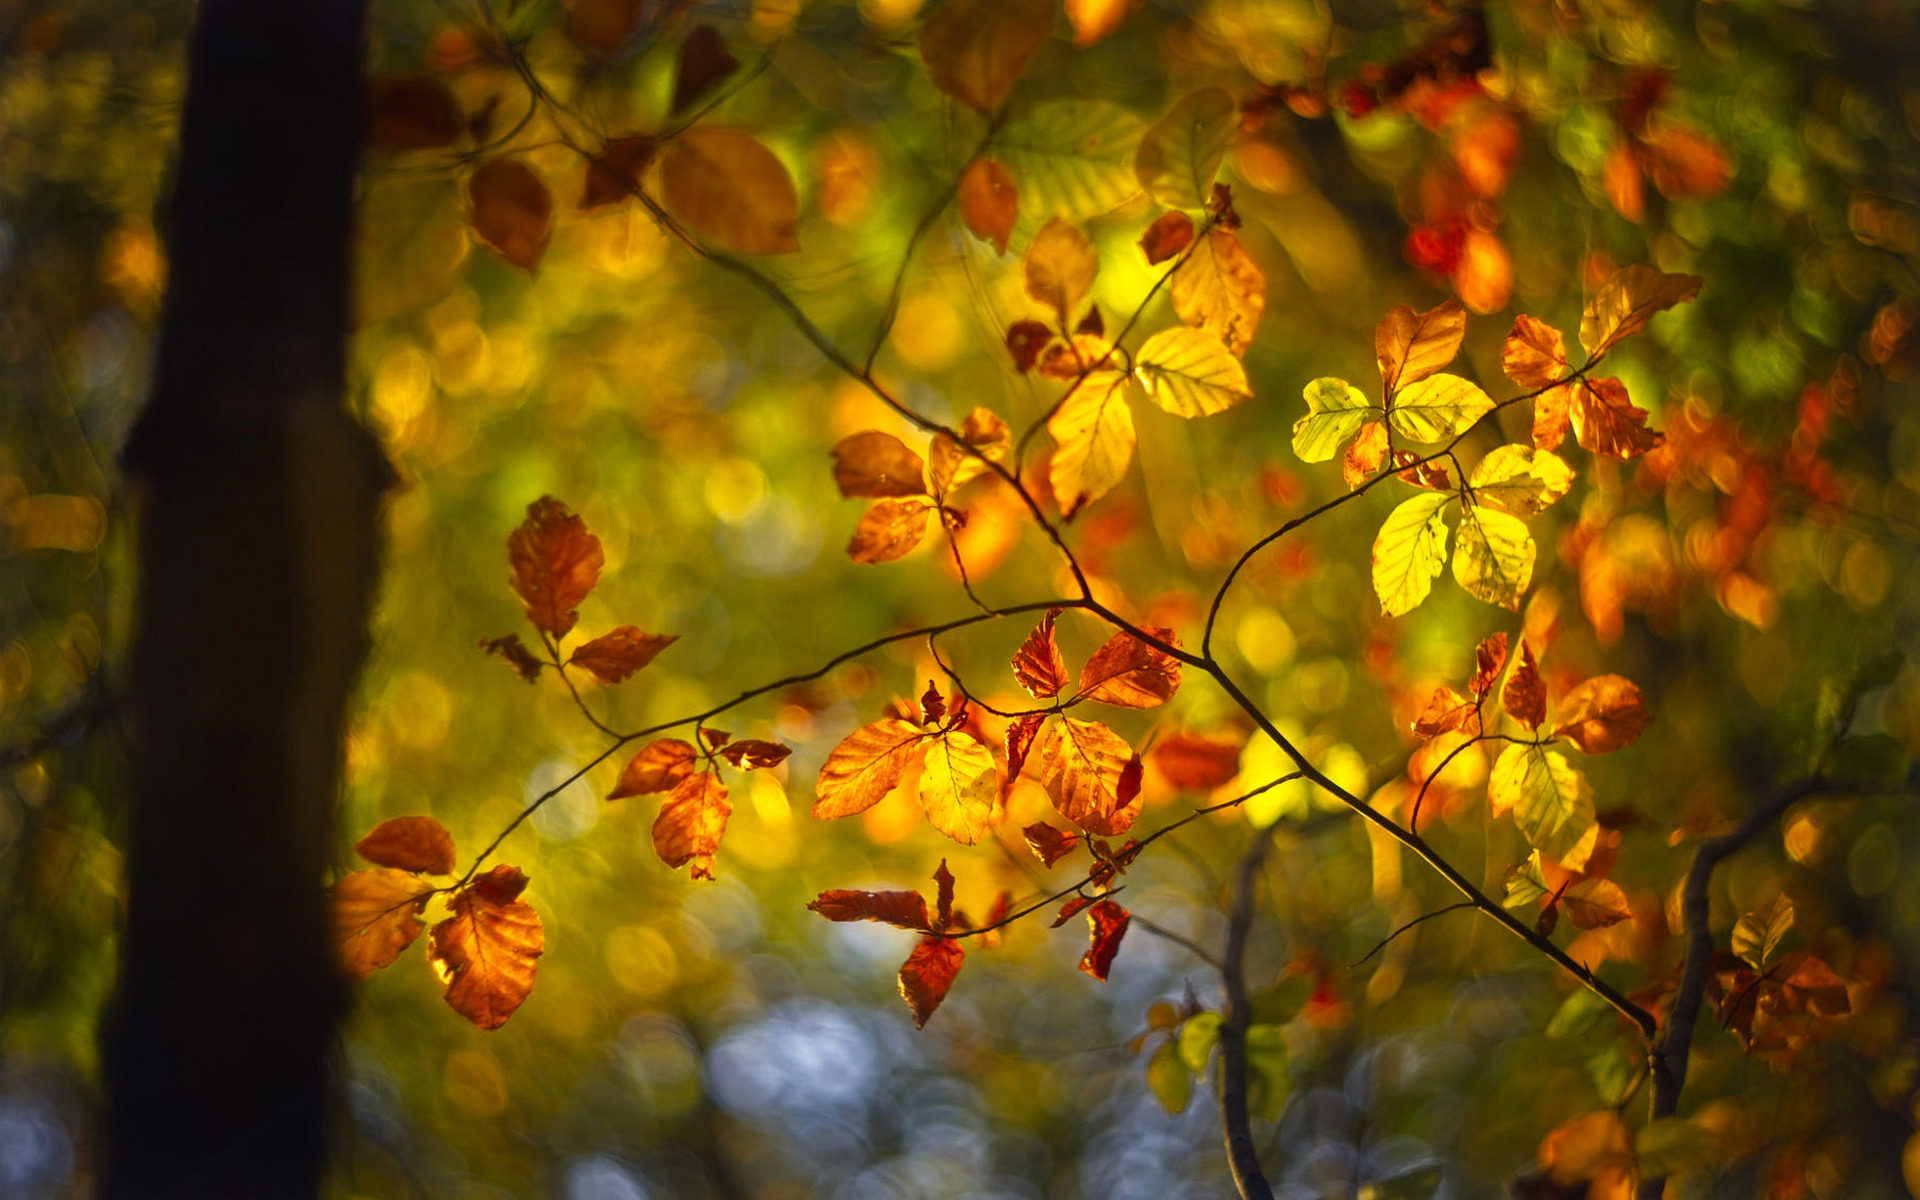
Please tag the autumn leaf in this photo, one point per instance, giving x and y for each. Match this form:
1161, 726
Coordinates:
1525, 696
516, 653
1071, 909
1048, 844
1129, 673
1446, 711
1596, 904
865, 766
974, 50
907, 910
1196, 764
1410, 346
703, 61
890, 530
487, 951
409, 844
1535, 355
1550, 801
989, 202
943, 896
1025, 341
614, 657
614, 174
1605, 420
877, 465
1073, 158
1489, 659
1169, 234
752, 754
1597, 1148
1336, 410
375, 915
728, 187
1191, 373
927, 974
659, 767
1083, 763
958, 785
1020, 736
950, 465
691, 823
1437, 407
1093, 437
1522, 480
1603, 714
602, 26
1107, 924
555, 564
1493, 556
1038, 665
1630, 298
408, 112
1758, 934
1409, 553
1181, 153
1060, 267
512, 211
1362, 459
1220, 289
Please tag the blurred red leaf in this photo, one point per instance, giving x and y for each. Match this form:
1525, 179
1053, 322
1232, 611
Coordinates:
614, 174
703, 62
875, 465
1169, 234
989, 202
1196, 764
907, 910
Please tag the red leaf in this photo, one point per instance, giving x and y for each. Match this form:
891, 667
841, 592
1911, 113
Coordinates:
659, 767
405, 112
1196, 764
1038, 664
1025, 341
927, 974
703, 62
1129, 673
933, 705
750, 754
691, 823
516, 653
512, 210
1107, 924
409, 844
943, 903
615, 174
1169, 234
614, 657
555, 564
487, 951
1525, 696
1070, 910
1086, 765
1020, 741
1048, 844
907, 910
1489, 658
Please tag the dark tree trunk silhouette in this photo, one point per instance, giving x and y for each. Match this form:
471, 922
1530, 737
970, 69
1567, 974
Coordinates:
257, 500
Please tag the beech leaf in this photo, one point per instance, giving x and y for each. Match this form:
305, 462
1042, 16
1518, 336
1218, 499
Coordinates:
614, 174
1535, 355
1191, 373
958, 785
989, 201
409, 844
1220, 289
1083, 763
1107, 924
1181, 153
1409, 346
890, 530
1038, 665
908, 910
1759, 933
659, 767
975, 49
1048, 844
730, 188
1409, 552
1525, 696
1493, 556
1060, 267
512, 210
555, 564
1362, 460
1596, 904
1020, 736
487, 951
703, 62
691, 823
614, 657
865, 766
1196, 764
1169, 234
950, 465
1129, 673
927, 974
1489, 659
1437, 407
1603, 714
1550, 801
1606, 421
1093, 439
1521, 480
1335, 412
1628, 300
1446, 711
877, 465
752, 754
375, 915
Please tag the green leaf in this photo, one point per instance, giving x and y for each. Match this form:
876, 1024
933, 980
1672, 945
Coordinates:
1268, 1079
1196, 1039
1409, 553
1073, 158
1283, 1001
1168, 1079
1551, 802
1526, 883
1494, 557
1581, 1015
1757, 935
1438, 407
1181, 154
1612, 1073
1191, 373
1335, 412
1520, 479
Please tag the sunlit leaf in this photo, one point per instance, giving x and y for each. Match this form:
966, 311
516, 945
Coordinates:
1093, 20
1603, 714
1409, 346
877, 465
1169, 234
691, 823
927, 974
975, 49
724, 184
1596, 904
1128, 673
752, 754
1196, 764
659, 767
989, 202
410, 112
1082, 763
1447, 710
1525, 696
1535, 355
943, 896
1020, 735
1335, 412
1489, 659
1093, 438
1526, 883
703, 61
958, 785
375, 915
512, 211
1038, 665
409, 844
1628, 300
1071, 909
1048, 844
1362, 460
1409, 553
1191, 373
1605, 420
1758, 934
1493, 558
1438, 407
488, 950
1522, 480
908, 910
1073, 158
889, 530
1220, 289
614, 657
950, 465
1106, 924
865, 766
1060, 267
1550, 801
1180, 155
555, 564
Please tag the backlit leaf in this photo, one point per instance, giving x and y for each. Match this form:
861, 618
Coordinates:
927, 974
1128, 673
1603, 714
1596, 904
1447, 710
659, 767
1525, 696
703, 61
375, 915
1535, 355
691, 823
1628, 300
1060, 267
487, 951
943, 895
615, 173
1168, 1078
1196, 764
1198, 1035
1068, 911
958, 785
614, 657
1493, 559
876, 465
1093, 440
1038, 665
1020, 735
728, 187
1526, 883
409, 844
1169, 234
1550, 801
950, 465
1489, 659
1410, 346
1606, 421
1409, 553
1180, 155
752, 754
1191, 373
908, 910
1438, 407
975, 49
1758, 934
1362, 460
1106, 924
1522, 480
512, 211
1083, 762
865, 766
409, 112
555, 564
1048, 844
1220, 289
1335, 412
1073, 158
889, 530
1093, 20
989, 202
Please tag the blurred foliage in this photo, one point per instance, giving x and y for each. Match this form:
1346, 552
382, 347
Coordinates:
693, 1040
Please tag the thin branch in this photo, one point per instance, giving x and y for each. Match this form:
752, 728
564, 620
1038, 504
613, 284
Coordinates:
1388, 940
1243, 1157
1179, 939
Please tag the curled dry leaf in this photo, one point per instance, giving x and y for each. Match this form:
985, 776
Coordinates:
375, 915
1169, 234
1038, 665
555, 564
907, 910
1130, 673
408, 112
974, 50
1489, 659
516, 653
927, 974
751, 754
409, 844
614, 657
1603, 714
512, 210
691, 824
703, 62
659, 767
877, 465
943, 895
1071, 909
1525, 696
890, 530
488, 950
951, 463
730, 188
1048, 844
1447, 711
1106, 923
1196, 764
615, 173
1020, 735
989, 202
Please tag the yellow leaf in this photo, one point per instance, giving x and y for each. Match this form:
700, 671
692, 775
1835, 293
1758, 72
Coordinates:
889, 530
1060, 267
1409, 552
728, 187
1180, 155
1493, 559
1550, 802
1335, 412
1410, 346
488, 949
1521, 480
1220, 289
1073, 158
958, 785
1191, 373
1627, 301
865, 766
376, 915
1437, 407
1093, 440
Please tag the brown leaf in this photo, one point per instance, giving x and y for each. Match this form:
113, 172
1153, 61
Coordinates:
659, 767
1603, 714
974, 50
614, 657
1605, 420
1410, 346
908, 910
1552, 412
407, 112
602, 26
877, 465
1363, 458
1170, 233
865, 766
1038, 664
989, 202
1219, 288
1525, 696
1060, 267
487, 951
1489, 659
1434, 475
1448, 710
1070, 910
1595, 1147
889, 530
1107, 924
1596, 904
376, 915
615, 174
950, 464
1025, 341
409, 844
704, 61
1628, 300
1083, 763
1129, 673
751, 754
691, 822
1020, 741
1196, 764
1535, 355
927, 974
555, 564
516, 653
943, 895
1048, 844
727, 186
512, 210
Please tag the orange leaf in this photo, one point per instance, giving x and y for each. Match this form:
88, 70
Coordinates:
1129, 673
406, 112
1093, 20
927, 974
943, 895
724, 184
1535, 354
1169, 234
1603, 714
614, 657
989, 201
1048, 844
889, 530
409, 844
984, 433
1605, 420
376, 915
1362, 459
659, 767
975, 49
1020, 740
875, 465
751, 754
1038, 664
615, 174
1596, 904
691, 822
703, 61
1594, 1147
1628, 300
908, 910
1525, 696
1448, 710
1410, 346
487, 951
555, 564
1107, 924
865, 766
1084, 763
1219, 288
512, 210
1621, 177
1070, 910
1483, 278
516, 653
1489, 659
1684, 162
1196, 764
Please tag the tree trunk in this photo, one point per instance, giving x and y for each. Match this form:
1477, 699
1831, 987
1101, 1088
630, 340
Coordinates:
258, 499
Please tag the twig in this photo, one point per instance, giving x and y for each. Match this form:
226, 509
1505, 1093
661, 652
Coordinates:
1242, 1155
1388, 940
1179, 939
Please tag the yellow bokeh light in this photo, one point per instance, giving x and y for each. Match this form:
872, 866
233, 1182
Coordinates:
641, 960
